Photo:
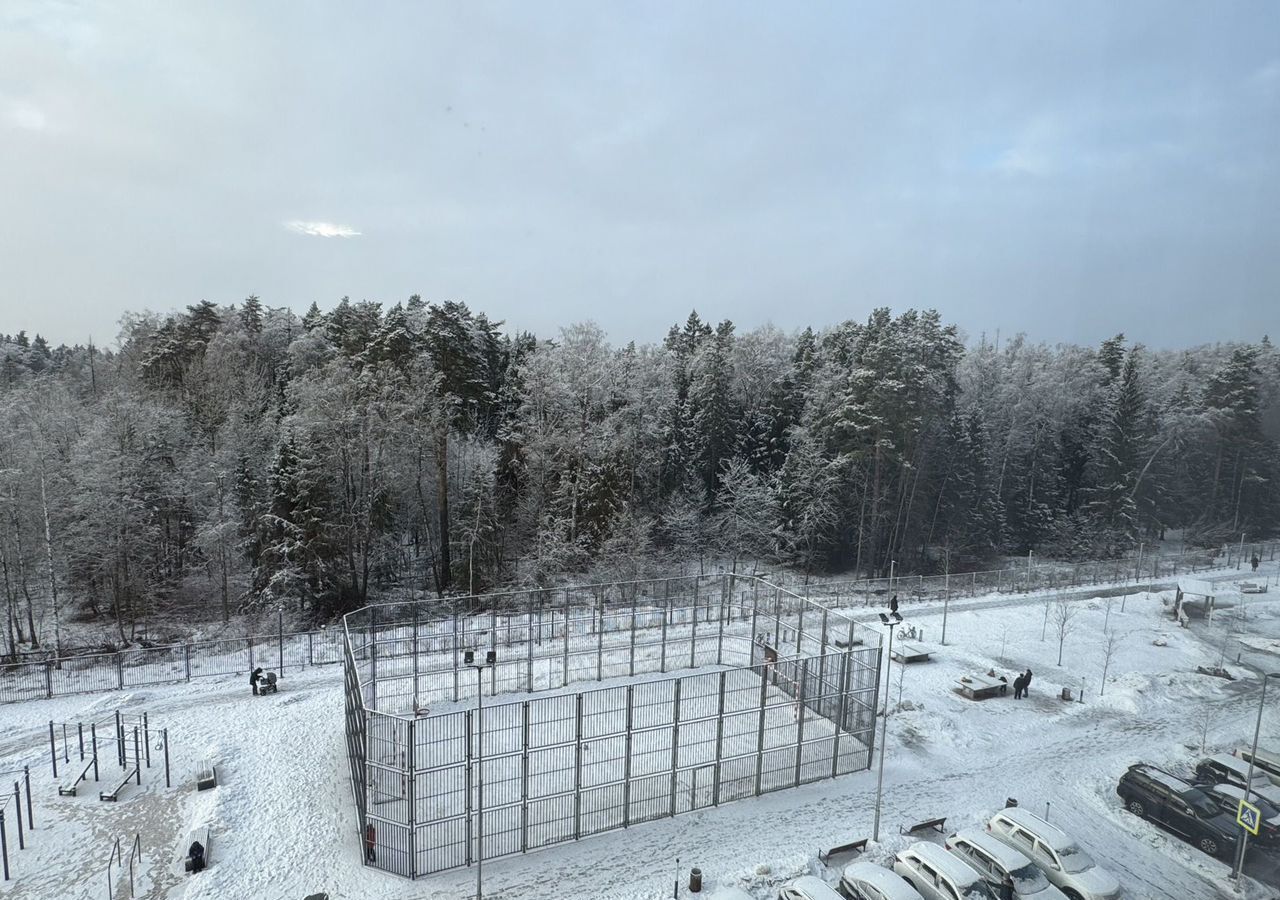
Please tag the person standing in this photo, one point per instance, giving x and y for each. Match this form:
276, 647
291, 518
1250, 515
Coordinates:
253, 679
1018, 687
1255, 562
1026, 683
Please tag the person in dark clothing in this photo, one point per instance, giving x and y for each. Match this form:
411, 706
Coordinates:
253, 679
1026, 683
1255, 562
1019, 686
195, 854
370, 839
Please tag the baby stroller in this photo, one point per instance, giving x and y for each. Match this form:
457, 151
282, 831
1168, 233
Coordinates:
268, 684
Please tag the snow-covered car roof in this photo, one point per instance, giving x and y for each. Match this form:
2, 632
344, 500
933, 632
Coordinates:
948, 864
1235, 764
1162, 777
1008, 857
1052, 835
816, 887
886, 881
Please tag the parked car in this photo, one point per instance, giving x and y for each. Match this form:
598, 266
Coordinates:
1228, 798
995, 861
867, 881
1265, 760
1222, 768
935, 874
1060, 858
1179, 807
808, 887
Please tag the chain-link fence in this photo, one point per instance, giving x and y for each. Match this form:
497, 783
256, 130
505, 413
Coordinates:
1037, 575
444, 785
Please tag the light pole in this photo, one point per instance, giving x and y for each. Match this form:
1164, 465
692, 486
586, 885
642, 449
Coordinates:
946, 596
884, 731
469, 659
1248, 783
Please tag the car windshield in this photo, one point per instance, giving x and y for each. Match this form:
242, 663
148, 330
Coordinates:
1028, 880
1075, 860
1201, 803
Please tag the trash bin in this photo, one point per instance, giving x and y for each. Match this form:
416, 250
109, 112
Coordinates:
695, 880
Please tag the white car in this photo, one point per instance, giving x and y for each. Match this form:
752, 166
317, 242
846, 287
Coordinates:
808, 888
1069, 868
1222, 768
935, 874
1265, 760
995, 861
867, 881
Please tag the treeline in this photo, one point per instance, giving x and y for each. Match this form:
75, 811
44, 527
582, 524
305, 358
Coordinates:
240, 456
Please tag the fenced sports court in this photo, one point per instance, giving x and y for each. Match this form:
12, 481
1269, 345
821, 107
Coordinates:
711, 689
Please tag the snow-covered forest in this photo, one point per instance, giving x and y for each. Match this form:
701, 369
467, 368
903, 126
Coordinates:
232, 458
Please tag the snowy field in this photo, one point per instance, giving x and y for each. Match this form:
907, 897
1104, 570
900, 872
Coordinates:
283, 825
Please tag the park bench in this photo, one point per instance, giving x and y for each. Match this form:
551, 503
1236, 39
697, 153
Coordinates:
114, 794
68, 788
980, 687
206, 775
910, 653
938, 825
851, 847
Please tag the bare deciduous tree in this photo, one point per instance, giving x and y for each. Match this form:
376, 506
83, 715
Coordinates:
1109, 641
1063, 613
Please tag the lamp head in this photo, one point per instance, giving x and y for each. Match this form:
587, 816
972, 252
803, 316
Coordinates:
468, 657
491, 658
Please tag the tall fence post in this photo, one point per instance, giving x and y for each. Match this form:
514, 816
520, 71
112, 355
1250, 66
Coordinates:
843, 678
524, 776
631, 664
675, 741
120, 668
48, 680
720, 633
146, 738
411, 795
53, 749
4, 846
186, 660
568, 600
800, 695
764, 703
715, 783
26, 777
17, 805
577, 768
693, 637
93, 737
468, 806
666, 614
280, 637
626, 762
165, 734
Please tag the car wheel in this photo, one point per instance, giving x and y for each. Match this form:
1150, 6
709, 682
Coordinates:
1209, 845
1136, 807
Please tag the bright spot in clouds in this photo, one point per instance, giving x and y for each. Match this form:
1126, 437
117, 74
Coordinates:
321, 229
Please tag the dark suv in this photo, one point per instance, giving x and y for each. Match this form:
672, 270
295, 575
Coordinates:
1180, 807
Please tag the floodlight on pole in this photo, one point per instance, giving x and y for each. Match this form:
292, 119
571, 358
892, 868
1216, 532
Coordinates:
884, 732
469, 659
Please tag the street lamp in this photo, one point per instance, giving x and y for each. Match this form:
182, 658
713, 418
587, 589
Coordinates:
890, 621
1248, 783
469, 659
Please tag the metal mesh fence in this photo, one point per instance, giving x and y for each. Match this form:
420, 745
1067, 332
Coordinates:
791, 700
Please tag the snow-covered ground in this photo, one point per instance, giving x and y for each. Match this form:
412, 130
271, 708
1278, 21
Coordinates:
283, 823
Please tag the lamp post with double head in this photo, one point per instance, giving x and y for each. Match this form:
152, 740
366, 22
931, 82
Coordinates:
469, 659
891, 621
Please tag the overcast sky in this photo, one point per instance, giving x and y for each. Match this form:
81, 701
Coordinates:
1065, 169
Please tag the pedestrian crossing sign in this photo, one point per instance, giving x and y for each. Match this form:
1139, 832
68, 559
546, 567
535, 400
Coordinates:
1248, 817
